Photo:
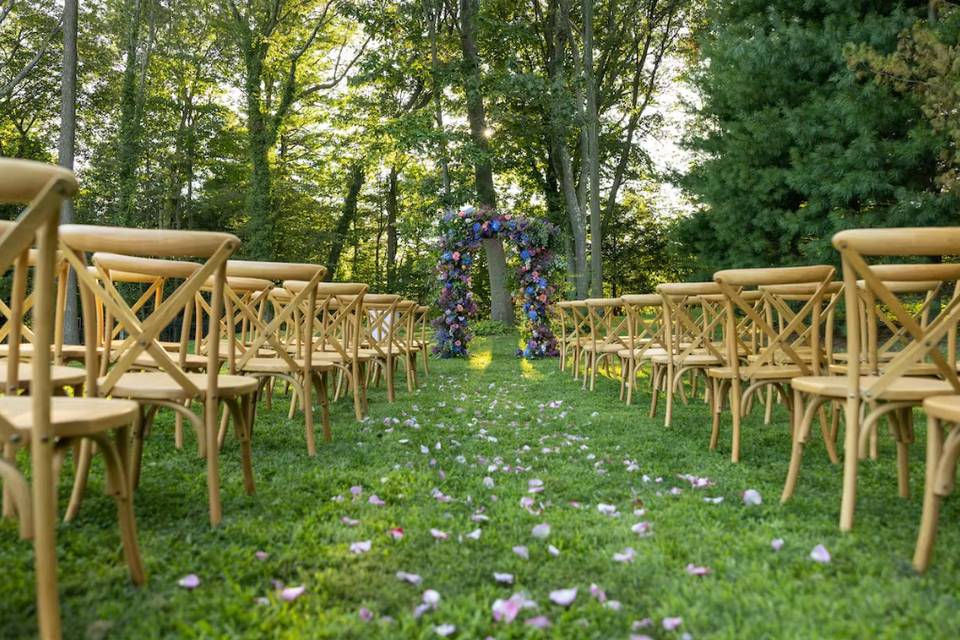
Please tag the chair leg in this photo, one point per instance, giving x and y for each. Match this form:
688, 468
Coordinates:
931, 501
213, 459
768, 406
45, 538
655, 374
81, 475
903, 453
737, 414
19, 495
239, 412
717, 385
668, 383
388, 372
631, 379
851, 440
321, 382
306, 391
796, 455
116, 459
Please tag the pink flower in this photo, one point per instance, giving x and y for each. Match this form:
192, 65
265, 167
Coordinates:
669, 624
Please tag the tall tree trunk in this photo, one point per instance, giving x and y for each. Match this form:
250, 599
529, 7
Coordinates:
68, 137
500, 303
129, 143
392, 209
346, 219
432, 11
577, 222
260, 225
592, 156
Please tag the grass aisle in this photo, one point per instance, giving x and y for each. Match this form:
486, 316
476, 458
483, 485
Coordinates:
464, 456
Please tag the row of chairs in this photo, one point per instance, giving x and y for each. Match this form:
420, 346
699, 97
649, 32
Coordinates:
170, 323
758, 337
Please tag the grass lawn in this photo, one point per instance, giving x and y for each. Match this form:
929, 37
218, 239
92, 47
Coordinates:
513, 422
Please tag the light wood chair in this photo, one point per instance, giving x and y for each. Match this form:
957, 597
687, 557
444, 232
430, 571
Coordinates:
644, 338
169, 386
692, 325
608, 328
785, 348
943, 451
335, 341
379, 312
423, 339
267, 356
404, 340
892, 392
50, 425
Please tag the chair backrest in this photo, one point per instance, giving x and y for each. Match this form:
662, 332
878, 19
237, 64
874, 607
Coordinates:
43, 188
26, 333
255, 289
607, 322
855, 246
403, 333
379, 311
795, 328
423, 320
337, 326
692, 321
142, 336
644, 322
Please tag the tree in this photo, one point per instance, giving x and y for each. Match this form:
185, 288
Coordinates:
500, 302
795, 146
67, 148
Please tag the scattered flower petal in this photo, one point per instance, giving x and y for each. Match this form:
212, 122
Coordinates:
669, 624
538, 622
365, 614
431, 597
541, 531
820, 554
503, 578
444, 630
475, 534
350, 522
598, 593
376, 501
552, 550
289, 594
412, 578
360, 547
777, 544
694, 570
522, 551
751, 498
439, 535
627, 555
261, 555
396, 533
190, 581
563, 597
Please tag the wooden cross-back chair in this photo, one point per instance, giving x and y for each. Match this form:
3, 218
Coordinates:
335, 341
644, 338
60, 351
564, 321
50, 425
267, 356
608, 327
404, 340
692, 324
578, 334
379, 312
169, 385
891, 392
775, 351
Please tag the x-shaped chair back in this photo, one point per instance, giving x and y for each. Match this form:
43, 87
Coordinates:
644, 322
798, 294
691, 321
783, 340
912, 286
379, 311
288, 306
338, 318
855, 246
608, 325
404, 333
142, 336
25, 332
155, 274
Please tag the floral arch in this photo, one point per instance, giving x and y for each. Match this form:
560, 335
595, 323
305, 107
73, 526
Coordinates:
461, 236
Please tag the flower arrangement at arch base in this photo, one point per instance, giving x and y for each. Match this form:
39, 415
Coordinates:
461, 235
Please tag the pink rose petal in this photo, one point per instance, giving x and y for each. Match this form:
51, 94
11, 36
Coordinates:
412, 578
776, 544
752, 498
598, 593
538, 622
506, 610
396, 533
503, 578
669, 624
444, 630
190, 581
563, 597
261, 555
694, 570
350, 522
627, 555
365, 614
820, 554
290, 594
376, 501
439, 535
541, 531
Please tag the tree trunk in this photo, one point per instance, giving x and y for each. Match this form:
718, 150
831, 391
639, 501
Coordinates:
346, 218
392, 207
592, 156
68, 137
500, 303
128, 147
260, 224
577, 226
432, 14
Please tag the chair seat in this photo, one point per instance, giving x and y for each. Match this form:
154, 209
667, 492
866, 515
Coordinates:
943, 407
192, 362
630, 354
59, 376
157, 385
279, 365
70, 417
769, 372
603, 348
692, 360
927, 369
908, 389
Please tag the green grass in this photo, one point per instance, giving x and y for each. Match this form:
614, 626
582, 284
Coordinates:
494, 410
